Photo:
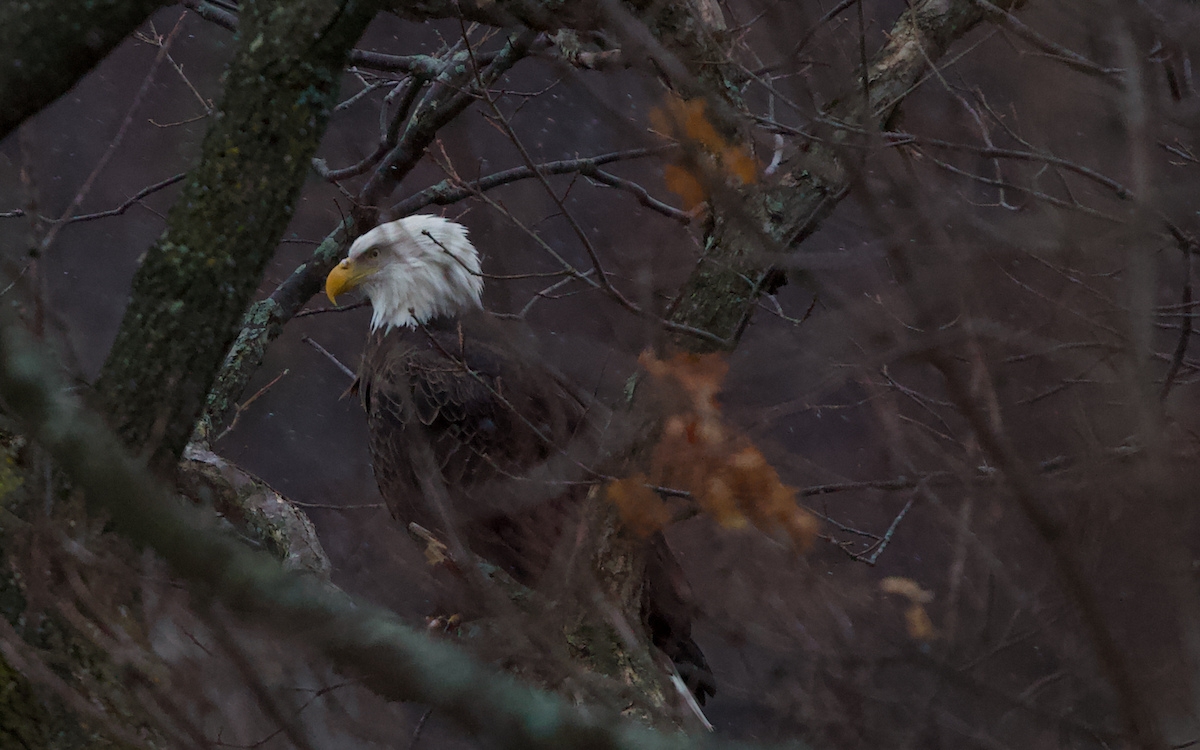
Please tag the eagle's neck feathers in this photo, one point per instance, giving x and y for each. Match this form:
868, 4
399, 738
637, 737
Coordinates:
427, 269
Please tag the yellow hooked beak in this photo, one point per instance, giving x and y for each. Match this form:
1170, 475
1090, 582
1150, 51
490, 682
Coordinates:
346, 277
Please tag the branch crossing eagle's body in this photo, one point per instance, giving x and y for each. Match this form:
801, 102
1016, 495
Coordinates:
488, 417
450, 389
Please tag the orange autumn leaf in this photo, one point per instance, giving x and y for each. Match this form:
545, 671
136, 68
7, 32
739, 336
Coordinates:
683, 183
801, 526
436, 551
719, 501
907, 588
727, 475
680, 119
920, 627
642, 510
713, 159
700, 375
739, 163
916, 618
697, 126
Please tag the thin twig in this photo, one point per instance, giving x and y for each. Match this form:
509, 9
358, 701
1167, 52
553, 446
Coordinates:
546, 294
1139, 718
116, 141
331, 506
246, 404
1039, 195
1053, 49
453, 189
157, 41
1185, 328
585, 241
388, 138
119, 210
349, 373
903, 139
341, 309
804, 40
280, 710
887, 535
643, 196
439, 107
417, 730
366, 90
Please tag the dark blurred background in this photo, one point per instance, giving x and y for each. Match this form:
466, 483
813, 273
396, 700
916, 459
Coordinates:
1042, 269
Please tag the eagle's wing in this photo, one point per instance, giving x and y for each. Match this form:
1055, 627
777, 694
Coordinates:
493, 418
489, 412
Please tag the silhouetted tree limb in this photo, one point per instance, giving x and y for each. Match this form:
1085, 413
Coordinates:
50, 44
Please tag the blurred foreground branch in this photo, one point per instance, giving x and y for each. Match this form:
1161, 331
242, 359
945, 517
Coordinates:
1139, 716
396, 662
49, 45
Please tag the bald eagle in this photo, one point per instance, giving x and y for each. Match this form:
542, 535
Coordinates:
449, 388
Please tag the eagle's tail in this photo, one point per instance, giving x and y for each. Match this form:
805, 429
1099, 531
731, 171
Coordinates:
670, 608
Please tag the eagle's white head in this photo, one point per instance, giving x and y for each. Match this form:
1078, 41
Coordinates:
413, 270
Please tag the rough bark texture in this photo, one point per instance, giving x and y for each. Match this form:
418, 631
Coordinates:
262, 517
50, 44
720, 294
263, 323
197, 280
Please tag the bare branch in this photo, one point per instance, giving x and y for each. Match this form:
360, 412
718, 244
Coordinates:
1072, 59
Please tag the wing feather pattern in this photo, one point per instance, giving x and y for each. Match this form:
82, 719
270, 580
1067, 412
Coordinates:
492, 415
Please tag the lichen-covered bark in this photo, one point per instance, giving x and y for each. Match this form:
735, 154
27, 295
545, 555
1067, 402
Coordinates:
33, 715
198, 278
48, 45
720, 294
262, 517
263, 323
920, 38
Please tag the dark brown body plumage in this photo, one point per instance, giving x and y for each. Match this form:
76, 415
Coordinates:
491, 415
509, 439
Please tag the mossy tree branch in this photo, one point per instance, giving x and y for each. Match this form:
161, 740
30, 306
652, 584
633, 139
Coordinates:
263, 323
196, 281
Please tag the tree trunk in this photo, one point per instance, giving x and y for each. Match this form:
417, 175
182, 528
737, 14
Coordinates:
198, 278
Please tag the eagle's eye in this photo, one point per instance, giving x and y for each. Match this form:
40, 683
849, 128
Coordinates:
372, 254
